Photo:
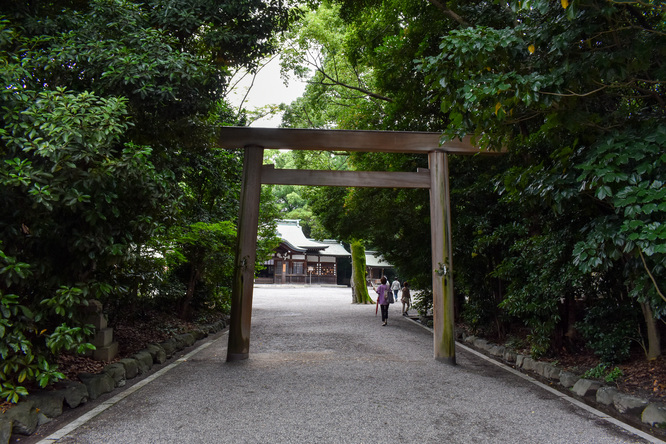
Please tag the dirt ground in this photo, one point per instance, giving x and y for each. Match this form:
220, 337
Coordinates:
640, 377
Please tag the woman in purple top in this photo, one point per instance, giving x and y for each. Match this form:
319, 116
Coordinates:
382, 300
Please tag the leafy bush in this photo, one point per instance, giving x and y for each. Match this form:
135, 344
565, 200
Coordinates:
609, 330
540, 276
31, 335
422, 302
602, 371
67, 219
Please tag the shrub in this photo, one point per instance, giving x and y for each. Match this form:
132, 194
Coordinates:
609, 329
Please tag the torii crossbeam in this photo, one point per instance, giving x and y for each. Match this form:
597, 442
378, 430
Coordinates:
436, 179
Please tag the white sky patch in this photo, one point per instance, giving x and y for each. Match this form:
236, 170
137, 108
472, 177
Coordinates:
268, 89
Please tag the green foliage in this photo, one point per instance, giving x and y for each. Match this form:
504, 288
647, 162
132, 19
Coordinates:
613, 375
540, 275
423, 302
596, 372
65, 219
625, 172
108, 157
609, 329
294, 202
564, 90
572, 214
602, 371
361, 295
25, 337
205, 251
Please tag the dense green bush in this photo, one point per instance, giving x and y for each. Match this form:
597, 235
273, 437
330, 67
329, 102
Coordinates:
610, 329
572, 91
109, 163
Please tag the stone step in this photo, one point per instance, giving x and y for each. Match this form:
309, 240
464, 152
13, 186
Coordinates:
106, 353
103, 337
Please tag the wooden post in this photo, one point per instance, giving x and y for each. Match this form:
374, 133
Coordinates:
246, 253
442, 282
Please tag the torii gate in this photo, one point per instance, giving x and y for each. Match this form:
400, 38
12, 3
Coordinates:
436, 179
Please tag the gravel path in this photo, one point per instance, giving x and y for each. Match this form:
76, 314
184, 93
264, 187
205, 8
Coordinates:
322, 370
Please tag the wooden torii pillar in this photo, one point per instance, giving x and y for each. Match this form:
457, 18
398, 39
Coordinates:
436, 179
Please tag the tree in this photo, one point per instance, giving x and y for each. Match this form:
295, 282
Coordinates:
349, 91
571, 90
108, 154
359, 283
573, 87
66, 219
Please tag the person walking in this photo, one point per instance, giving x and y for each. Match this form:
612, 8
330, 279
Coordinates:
406, 299
382, 299
395, 288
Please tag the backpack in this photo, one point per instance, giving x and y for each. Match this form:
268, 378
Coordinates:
388, 294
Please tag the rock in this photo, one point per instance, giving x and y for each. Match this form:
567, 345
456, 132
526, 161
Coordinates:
655, 415
131, 367
5, 430
529, 364
629, 404
144, 361
187, 339
520, 359
470, 339
539, 367
49, 403
23, 417
497, 350
106, 353
212, 328
221, 324
42, 419
586, 387
605, 395
157, 352
198, 334
97, 384
117, 372
509, 356
480, 343
170, 347
93, 306
568, 379
551, 372
75, 393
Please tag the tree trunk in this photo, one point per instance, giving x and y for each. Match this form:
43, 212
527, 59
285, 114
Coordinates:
359, 283
189, 294
654, 340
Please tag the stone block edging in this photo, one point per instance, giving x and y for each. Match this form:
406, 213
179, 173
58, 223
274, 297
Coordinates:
632, 408
42, 406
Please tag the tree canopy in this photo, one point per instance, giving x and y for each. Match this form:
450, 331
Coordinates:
569, 225
113, 186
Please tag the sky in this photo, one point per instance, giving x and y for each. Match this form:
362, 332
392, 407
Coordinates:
268, 88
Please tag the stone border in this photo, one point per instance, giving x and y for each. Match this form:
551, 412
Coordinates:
42, 406
651, 416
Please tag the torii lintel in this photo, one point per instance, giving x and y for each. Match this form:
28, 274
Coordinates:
342, 140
